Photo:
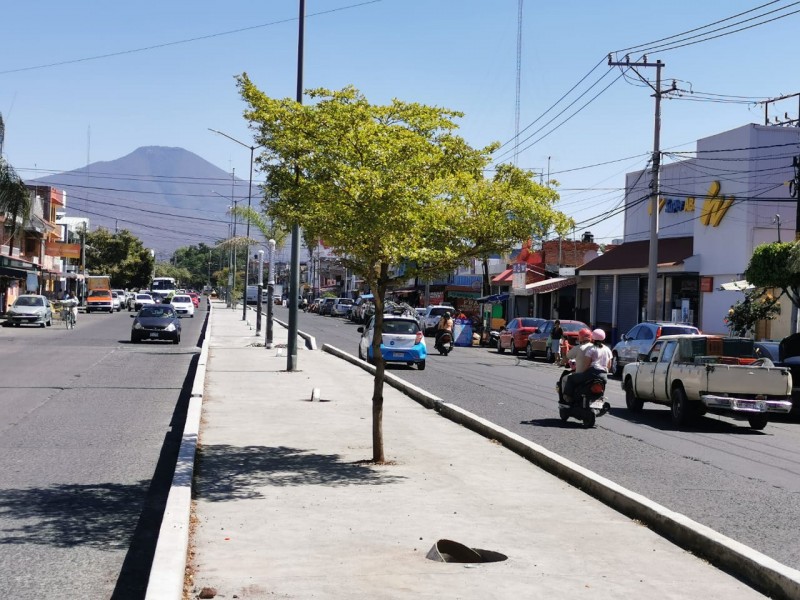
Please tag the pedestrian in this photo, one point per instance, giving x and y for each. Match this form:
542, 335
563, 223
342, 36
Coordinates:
555, 341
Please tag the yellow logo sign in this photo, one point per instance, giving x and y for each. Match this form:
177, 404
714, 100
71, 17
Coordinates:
714, 206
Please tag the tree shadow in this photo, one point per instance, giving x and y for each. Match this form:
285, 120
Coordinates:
226, 472
101, 515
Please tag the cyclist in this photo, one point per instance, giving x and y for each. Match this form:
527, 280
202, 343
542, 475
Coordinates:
70, 303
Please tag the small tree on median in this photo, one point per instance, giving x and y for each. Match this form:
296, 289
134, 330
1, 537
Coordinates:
385, 185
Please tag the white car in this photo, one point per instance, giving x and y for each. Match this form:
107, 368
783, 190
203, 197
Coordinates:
183, 305
402, 341
116, 301
140, 300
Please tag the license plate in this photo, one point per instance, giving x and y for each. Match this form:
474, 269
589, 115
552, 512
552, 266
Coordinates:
153, 335
746, 404
398, 354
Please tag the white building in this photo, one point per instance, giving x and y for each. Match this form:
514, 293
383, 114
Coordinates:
714, 210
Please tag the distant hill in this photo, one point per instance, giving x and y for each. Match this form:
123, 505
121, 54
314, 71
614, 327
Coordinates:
168, 197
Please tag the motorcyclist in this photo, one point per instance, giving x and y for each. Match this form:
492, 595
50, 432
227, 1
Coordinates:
587, 365
71, 302
445, 325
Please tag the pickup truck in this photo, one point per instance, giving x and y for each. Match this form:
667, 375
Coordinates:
699, 374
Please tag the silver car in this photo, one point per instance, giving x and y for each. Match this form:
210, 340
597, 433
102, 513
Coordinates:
31, 309
639, 340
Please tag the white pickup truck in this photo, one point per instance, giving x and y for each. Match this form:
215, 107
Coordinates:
699, 374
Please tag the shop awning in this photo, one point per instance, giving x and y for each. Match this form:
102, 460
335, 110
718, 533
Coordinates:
737, 286
493, 299
549, 285
504, 277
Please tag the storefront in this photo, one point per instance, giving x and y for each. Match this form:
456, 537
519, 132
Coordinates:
714, 210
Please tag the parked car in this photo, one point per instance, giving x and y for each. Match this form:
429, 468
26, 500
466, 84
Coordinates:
156, 322
401, 341
183, 305
30, 309
639, 340
514, 336
341, 307
537, 342
195, 299
141, 300
433, 314
326, 305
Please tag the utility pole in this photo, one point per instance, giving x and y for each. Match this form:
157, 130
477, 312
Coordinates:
270, 293
260, 257
794, 190
652, 271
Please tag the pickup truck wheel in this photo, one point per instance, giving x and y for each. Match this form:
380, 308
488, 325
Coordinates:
633, 403
680, 407
758, 422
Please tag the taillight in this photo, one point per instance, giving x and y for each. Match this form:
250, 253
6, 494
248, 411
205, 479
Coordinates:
658, 333
418, 338
597, 388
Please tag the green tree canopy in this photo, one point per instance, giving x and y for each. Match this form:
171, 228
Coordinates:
776, 265
199, 264
15, 200
385, 185
120, 255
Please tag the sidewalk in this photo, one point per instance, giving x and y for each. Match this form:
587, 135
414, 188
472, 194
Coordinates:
288, 506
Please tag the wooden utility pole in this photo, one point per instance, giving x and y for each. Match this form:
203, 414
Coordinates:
652, 271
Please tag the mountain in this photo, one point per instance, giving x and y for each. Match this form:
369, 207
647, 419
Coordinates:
168, 197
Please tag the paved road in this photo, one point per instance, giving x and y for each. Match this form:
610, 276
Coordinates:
742, 483
88, 426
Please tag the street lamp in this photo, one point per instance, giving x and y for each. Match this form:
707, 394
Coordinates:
232, 250
270, 292
260, 256
249, 197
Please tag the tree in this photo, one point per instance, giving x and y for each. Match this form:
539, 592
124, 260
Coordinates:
120, 255
266, 225
776, 265
386, 186
197, 263
15, 201
757, 305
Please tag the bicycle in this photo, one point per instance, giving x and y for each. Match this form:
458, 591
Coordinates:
68, 315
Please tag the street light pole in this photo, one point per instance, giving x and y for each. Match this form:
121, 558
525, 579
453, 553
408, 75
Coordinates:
260, 290
249, 198
270, 292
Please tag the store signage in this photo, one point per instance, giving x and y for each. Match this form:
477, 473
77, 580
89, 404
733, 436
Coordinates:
63, 250
714, 206
706, 284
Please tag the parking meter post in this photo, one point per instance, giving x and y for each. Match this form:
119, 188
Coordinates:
260, 257
270, 292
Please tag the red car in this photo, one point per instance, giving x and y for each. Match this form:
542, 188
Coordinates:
536, 344
514, 336
195, 299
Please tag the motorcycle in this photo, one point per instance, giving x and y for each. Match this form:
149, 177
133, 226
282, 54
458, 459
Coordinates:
444, 343
589, 400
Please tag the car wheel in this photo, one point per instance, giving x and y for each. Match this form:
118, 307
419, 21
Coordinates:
500, 348
633, 403
134, 339
42, 324
16, 324
680, 407
421, 365
177, 340
528, 351
49, 322
513, 347
616, 368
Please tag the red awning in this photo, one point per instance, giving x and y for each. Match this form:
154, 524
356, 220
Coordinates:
504, 277
549, 285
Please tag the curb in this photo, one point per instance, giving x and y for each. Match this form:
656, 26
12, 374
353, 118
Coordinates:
754, 568
169, 561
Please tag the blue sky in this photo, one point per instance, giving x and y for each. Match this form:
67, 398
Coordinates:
162, 73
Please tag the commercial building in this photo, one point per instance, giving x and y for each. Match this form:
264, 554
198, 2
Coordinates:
714, 210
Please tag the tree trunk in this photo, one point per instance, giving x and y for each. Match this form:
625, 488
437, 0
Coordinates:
380, 368
487, 286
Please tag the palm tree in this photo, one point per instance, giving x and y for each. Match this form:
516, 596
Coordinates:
15, 200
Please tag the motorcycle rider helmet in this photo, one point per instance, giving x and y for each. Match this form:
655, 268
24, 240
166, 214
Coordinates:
585, 334
598, 335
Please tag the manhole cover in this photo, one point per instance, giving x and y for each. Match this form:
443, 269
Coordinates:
453, 552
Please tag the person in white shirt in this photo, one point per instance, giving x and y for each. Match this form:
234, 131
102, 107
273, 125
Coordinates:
592, 360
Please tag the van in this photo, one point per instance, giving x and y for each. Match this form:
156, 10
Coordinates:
252, 294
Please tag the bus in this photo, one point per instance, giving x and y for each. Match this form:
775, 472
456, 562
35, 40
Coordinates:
163, 287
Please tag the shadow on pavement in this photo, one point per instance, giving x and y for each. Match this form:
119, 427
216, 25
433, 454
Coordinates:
226, 472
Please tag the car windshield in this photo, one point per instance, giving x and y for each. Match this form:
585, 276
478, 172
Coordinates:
29, 301
143, 297
573, 326
345, 301
98, 293
400, 327
157, 311
437, 312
